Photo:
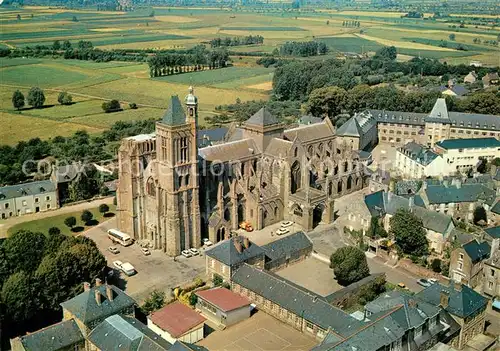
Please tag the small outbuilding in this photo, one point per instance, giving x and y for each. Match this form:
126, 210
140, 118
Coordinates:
222, 306
177, 321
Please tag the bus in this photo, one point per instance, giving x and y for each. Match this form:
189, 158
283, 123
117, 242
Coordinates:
119, 237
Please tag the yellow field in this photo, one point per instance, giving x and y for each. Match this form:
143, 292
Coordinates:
402, 44
266, 86
110, 29
176, 19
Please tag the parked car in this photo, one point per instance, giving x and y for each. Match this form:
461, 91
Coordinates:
246, 226
207, 242
286, 224
113, 250
118, 264
145, 251
432, 280
282, 231
402, 286
194, 251
128, 269
424, 282
186, 253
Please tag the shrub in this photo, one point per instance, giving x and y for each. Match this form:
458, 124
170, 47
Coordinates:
217, 280
111, 106
36, 97
132, 105
64, 98
436, 265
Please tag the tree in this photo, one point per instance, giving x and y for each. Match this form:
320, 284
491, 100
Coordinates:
452, 36
408, 231
70, 222
57, 45
18, 295
66, 45
36, 97
87, 216
480, 215
74, 19
349, 265
111, 106
18, 100
24, 250
64, 98
326, 101
217, 280
483, 166
133, 106
18, 17
436, 265
54, 231
376, 230
54, 240
154, 302
387, 53
103, 208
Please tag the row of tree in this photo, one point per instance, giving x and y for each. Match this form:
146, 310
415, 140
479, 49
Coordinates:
167, 64
236, 41
303, 49
38, 272
355, 24
36, 98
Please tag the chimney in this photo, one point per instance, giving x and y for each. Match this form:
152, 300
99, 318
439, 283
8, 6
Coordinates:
444, 298
98, 282
445, 183
237, 245
495, 243
97, 297
246, 243
411, 201
86, 286
458, 183
109, 292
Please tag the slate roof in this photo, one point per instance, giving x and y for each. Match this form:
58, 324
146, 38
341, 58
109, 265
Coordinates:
309, 119
493, 232
226, 252
85, 308
473, 143
125, 333
383, 116
185, 346
176, 319
223, 299
207, 137
298, 301
418, 153
438, 194
174, 116
55, 337
462, 303
405, 187
459, 90
433, 220
375, 203
350, 128
278, 147
287, 246
229, 151
477, 251
262, 118
27, 189
460, 236
309, 132
439, 112
66, 173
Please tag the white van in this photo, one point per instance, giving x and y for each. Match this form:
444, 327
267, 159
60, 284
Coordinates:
128, 269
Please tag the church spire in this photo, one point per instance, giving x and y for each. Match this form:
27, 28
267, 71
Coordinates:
192, 106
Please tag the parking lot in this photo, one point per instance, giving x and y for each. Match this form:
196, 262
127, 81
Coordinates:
155, 271
312, 274
259, 332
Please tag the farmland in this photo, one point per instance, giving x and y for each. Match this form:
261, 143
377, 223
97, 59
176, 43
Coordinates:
91, 83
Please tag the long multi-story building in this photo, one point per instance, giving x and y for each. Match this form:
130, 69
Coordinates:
26, 198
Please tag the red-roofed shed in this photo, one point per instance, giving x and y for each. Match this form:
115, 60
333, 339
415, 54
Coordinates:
176, 321
223, 306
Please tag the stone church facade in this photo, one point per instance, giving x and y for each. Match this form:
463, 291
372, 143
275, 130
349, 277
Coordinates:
172, 193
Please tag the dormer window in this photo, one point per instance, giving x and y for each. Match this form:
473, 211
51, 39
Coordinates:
42, 189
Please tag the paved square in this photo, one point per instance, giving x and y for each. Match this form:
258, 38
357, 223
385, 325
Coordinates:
259, 332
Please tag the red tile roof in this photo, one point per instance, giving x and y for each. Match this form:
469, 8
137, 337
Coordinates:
224, 299
176, 319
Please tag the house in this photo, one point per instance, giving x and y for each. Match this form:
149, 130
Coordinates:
467, 307
490, 79
228, 255
360, 131
288, 250
64, 176
64, 335
453, 90
26, 198
125, 333
177, 321
222, 306
379, 180
471, 78
414, 161
491, 268
466, 262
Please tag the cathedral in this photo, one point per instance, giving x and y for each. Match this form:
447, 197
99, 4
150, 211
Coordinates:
175, 188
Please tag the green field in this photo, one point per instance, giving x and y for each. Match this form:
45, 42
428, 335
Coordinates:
265, 29
43, 225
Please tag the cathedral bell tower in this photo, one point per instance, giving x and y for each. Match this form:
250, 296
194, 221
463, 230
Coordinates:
177, 155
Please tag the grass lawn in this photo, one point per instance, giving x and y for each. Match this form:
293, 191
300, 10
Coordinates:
43, 225
40, 75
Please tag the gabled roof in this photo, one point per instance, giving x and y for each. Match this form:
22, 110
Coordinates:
58, 336
233, 150
223, 299
309, 119
125, 333
477, 251
297, 300
174, 116
462, 302
493, 232
262, 118
278, 147
418, 153
438, 194
67, 173
473, 143
207, 137
85, 308
26, 189
227, 253
176, 319
350, 128
310, 132
287, 246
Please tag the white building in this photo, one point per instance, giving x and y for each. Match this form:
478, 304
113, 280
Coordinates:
464, 154
414, 161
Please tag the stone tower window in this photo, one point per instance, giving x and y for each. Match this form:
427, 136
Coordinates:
184, 149
151, 187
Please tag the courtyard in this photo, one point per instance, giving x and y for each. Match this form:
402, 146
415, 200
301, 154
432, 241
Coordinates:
259, 332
